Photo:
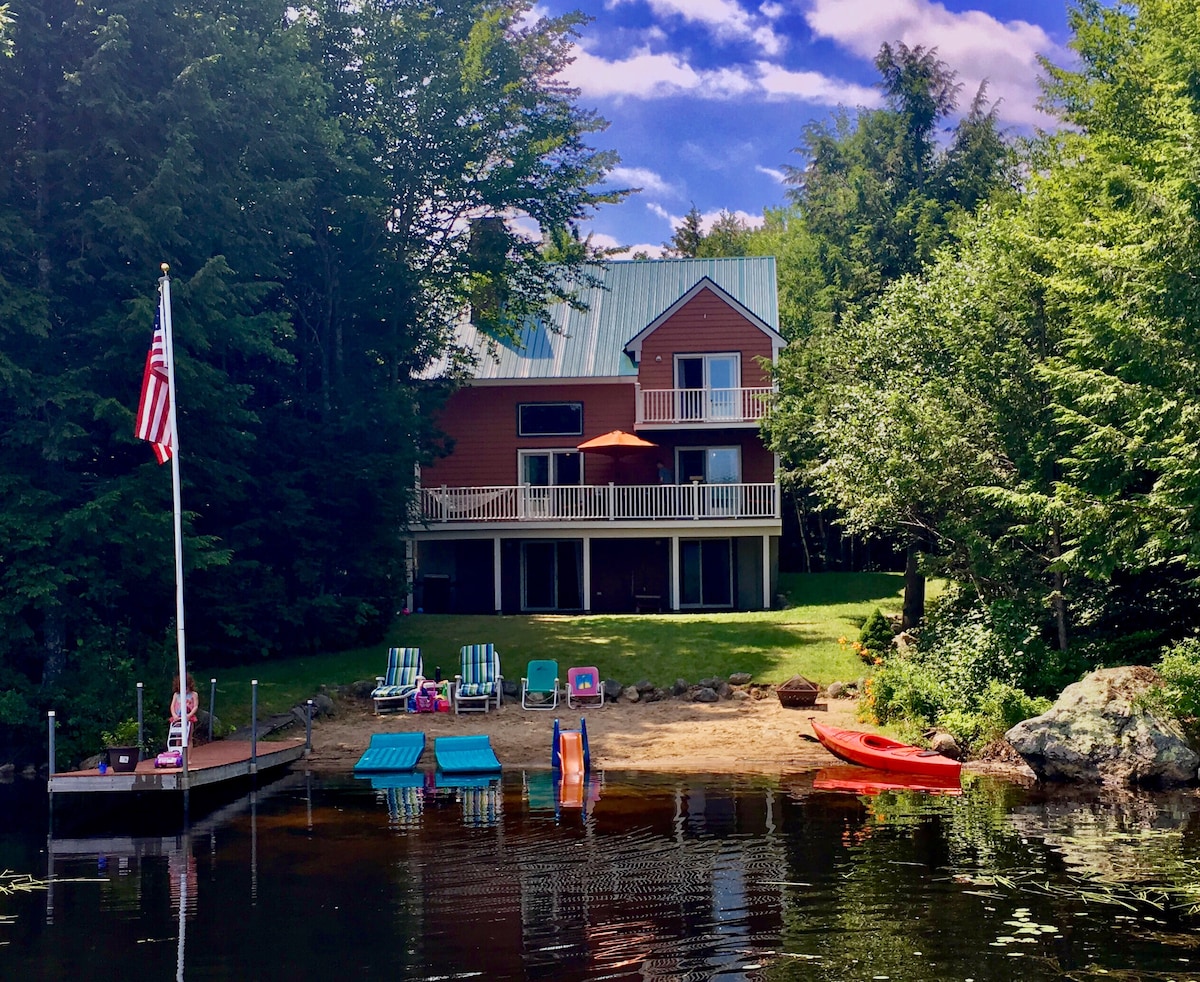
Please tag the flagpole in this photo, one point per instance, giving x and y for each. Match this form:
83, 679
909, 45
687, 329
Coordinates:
164, 299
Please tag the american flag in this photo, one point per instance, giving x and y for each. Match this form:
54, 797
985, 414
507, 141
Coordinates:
153, 416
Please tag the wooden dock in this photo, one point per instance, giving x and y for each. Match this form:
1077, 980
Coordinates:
208, 765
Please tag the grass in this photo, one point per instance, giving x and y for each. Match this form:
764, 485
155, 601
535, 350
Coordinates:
771, 645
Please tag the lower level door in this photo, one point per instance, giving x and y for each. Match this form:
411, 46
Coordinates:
552, 575
706, 573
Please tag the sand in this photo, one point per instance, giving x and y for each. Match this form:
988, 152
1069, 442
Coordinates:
727, 737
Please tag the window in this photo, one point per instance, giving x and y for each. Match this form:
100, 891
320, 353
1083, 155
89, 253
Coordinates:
544, 468
719, 470
708, 386
550, 419
709, 465
542, 471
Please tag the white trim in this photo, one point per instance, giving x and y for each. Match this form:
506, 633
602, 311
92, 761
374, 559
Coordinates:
485, 383
633, 346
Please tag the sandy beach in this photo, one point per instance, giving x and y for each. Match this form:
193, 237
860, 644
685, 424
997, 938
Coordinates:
744, 736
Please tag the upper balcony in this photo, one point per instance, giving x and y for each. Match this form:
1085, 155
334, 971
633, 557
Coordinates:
581, 503
703, 407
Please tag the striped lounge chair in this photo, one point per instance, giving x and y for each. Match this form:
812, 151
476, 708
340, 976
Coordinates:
478, 683
393, 688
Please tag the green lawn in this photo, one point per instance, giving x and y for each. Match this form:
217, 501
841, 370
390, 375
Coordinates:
770, 645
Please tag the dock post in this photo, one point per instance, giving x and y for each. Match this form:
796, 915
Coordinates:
141, 734
254, 726
50, 722
308, 726
212, 705
50, 816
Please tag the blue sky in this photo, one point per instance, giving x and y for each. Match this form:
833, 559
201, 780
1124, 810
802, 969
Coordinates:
706, 99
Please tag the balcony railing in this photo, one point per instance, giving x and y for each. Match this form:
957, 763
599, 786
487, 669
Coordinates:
600, 502
690, 406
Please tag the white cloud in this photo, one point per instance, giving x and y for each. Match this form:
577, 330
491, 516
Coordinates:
651, 76
973, 43
780, 83
602, 240
642, 177
776, 175
647, 75
707, 218
725, 19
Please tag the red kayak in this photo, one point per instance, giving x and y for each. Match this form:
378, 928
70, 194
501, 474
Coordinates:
868, 780
883, 753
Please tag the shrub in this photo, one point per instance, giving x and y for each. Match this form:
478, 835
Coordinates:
1179, 697
988, 715
124, 734
876, 634
976, 642
904, 690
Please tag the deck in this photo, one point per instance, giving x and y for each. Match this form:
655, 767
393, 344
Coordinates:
209, 764
601, 503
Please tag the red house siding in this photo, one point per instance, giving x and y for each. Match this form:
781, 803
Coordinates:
705, 324
483, 424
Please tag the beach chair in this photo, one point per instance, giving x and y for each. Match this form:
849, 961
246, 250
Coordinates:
393, 688
478, 682
584, 688
541, 681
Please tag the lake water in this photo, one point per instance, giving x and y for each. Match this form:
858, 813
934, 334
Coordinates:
657, 878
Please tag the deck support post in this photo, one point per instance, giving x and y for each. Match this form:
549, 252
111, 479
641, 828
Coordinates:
141, 728
254, 726
212, 705
766, 572
308, 726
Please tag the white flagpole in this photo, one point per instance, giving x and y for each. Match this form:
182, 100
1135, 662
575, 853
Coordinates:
164, 299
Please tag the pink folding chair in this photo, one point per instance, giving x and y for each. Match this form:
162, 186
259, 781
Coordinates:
584, 688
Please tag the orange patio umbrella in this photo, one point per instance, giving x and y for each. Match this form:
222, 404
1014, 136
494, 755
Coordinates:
616, 444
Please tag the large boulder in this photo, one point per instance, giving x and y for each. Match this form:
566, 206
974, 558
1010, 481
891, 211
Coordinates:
1094, 734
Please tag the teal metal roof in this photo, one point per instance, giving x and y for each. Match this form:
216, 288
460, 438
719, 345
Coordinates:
590, 343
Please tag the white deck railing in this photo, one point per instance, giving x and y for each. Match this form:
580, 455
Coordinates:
684, 406
600, 502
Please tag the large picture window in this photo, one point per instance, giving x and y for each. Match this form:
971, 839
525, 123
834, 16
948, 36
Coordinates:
550, 419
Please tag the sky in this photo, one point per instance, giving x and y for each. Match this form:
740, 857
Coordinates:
706, 99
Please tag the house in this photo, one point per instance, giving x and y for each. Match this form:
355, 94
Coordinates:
681, 513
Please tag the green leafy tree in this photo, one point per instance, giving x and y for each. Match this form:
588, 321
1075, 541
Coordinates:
685, 242
311, 176
873, 200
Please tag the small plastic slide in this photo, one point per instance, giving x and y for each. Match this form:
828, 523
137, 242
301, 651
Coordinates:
570, 752
570, 759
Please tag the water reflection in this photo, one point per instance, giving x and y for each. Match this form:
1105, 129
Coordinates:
646, 878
